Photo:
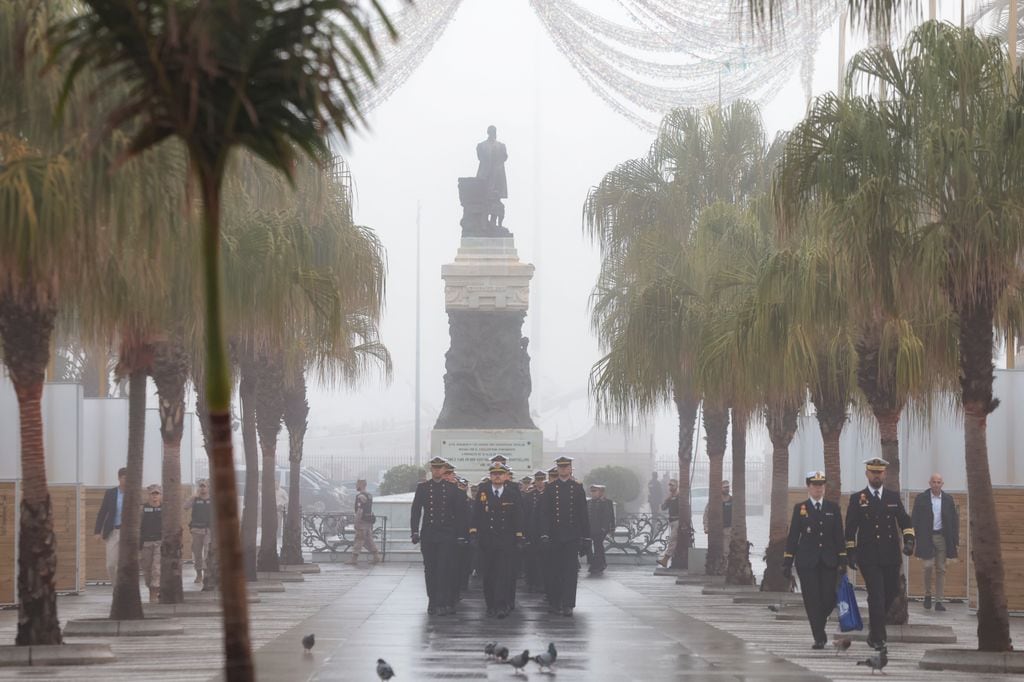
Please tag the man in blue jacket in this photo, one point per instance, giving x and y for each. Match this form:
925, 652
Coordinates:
937, 528
108, 522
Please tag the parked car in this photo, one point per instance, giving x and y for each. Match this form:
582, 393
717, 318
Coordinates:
316, 493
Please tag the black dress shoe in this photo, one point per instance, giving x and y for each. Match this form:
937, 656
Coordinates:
818, 645
431, 611
567, 611
443, 611
502, 614
939, 606
491, 613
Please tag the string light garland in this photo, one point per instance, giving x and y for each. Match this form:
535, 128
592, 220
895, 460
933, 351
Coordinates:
655, 56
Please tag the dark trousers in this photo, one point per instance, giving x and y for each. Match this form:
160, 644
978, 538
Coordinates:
818, 587
882, 583
563, 571
438, 566
498, 565
597, 561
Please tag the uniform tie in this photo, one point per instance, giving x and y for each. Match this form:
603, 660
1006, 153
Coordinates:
817, 506
878, 494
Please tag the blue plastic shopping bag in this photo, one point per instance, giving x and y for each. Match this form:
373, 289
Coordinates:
846, 603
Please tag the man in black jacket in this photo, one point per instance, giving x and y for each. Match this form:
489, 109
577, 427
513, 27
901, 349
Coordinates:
875, 521
497, 530
815, 544
108, 522
602, 522
442, 509
937, 528
565, 529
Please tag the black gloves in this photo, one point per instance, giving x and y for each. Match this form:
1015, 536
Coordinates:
787, 568
415, 538
908, 545
842, 566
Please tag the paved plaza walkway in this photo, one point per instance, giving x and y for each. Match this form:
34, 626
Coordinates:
629, 625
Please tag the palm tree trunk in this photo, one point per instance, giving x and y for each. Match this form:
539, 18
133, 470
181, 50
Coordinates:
127, 603
831, 417
716, 426
211, 576
976, 379
269, 414
687, 404
170, 372
250, 504
238, 665
739, 571
782, 424
296, 411
26, 326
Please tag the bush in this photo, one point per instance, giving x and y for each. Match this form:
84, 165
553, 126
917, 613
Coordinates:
622, 485
401, 479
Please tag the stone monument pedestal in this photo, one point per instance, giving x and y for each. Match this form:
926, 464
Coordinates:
487, 367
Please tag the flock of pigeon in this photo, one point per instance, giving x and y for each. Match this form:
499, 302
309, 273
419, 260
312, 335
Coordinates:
493, 650
497, 652
546, 660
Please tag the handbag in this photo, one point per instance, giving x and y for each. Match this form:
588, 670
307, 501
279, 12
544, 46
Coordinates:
846, 603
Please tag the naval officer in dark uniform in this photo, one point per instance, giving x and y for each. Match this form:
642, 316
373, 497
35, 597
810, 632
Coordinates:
875, 521
565, 529
497, 530
443, 511
816, 545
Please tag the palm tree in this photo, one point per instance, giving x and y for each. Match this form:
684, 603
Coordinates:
643, 215
296, 411
930, 218
257, 75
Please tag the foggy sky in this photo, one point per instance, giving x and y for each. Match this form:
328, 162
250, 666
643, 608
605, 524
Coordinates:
496, 65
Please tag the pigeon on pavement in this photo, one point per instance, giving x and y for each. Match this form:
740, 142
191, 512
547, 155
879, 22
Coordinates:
307, 642
841, 644
501, 652
384, 671
489, 649
519, 662
547, 658
876, 662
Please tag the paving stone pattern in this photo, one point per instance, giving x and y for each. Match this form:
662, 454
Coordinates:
629, 625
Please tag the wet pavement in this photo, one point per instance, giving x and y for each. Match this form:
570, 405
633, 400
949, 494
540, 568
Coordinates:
629, 625
616, 634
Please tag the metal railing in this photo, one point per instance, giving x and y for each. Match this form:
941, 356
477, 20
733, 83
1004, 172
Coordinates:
641, 535
334, 532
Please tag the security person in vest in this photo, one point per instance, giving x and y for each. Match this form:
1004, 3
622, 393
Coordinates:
816, 545
443, 511
565, 529
199, 526
875, 521
497, 530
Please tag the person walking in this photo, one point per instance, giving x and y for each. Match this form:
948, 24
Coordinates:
150, 539
497, 530
363, 522
937, 529
671, 506
441, 508
816, 545
726, 521
199, 524
565, 529
534, 561
654, 494
601, 513
108, 522
875, 520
